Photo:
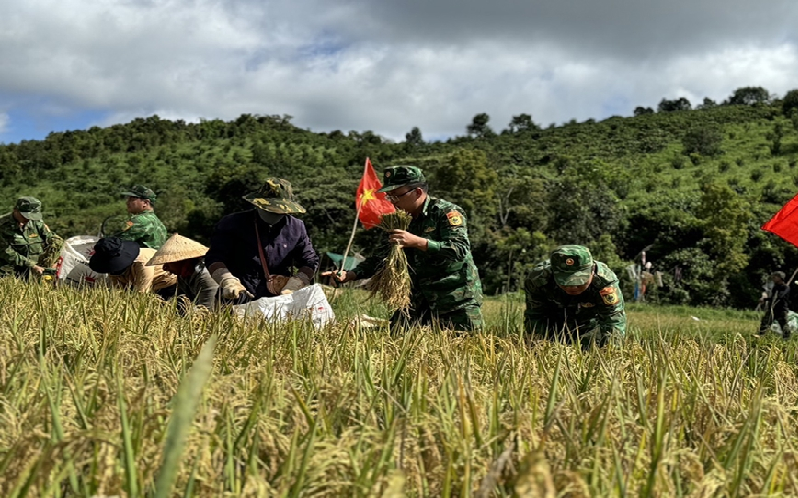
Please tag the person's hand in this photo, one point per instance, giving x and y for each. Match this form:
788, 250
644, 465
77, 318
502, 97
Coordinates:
340, 276
38, 269
293, 284
403, 238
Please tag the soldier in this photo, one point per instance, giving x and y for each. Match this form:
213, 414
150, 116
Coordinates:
182, 257
27, 245
253, 252
126, 265
571, 296
777, 306
143, 227
444, 280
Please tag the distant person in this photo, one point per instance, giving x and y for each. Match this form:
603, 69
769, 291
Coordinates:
777, 305
571, 296
183, 258
27, 245
253, 252
143, 227
126, 265
445, 284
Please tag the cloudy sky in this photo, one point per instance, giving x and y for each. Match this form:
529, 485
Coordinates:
381, 65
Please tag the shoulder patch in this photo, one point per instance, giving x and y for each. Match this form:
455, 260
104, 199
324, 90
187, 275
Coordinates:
455, 218
609, 295
128, 225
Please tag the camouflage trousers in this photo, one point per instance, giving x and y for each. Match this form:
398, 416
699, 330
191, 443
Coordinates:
468, 318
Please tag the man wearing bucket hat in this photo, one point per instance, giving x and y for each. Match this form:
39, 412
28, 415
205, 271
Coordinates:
27, 245
182, 257
143, 227
445, 284
571, 296
252, 252
126, 265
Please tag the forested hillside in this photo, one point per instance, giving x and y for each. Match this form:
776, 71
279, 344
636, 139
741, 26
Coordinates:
691, 186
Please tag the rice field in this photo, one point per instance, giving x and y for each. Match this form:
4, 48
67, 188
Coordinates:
110, 394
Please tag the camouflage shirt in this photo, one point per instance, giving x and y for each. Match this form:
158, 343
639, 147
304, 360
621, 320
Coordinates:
20, 248
599, 309
145, 229
444, 276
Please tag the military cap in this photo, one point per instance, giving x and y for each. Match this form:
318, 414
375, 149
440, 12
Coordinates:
779, 274
275, 196
399, 176
571, 265
30, 208
141, 192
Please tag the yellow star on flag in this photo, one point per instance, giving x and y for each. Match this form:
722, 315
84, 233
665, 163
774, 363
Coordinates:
366, 196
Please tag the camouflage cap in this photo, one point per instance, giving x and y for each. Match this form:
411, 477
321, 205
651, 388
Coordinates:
572, 265
30, 208
141, 192
399, 176
275, 196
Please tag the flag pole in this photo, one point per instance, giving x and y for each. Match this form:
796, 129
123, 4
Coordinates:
354, 226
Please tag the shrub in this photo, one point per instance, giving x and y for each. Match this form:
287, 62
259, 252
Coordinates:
724, 166
756, 175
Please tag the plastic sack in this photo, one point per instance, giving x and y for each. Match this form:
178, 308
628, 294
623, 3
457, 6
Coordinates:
792, 321
73, 265
306, 302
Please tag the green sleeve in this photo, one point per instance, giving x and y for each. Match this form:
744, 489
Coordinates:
535, 318
452, 244
11, 257
135, 231
610, 312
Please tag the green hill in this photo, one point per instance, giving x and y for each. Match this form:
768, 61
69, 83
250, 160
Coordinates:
692, 186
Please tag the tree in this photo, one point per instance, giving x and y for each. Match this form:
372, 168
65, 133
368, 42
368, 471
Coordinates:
479, 126
708, 103
790, 102
522, 122
749, 95
413, 138
680, 104
724, 217
640, 111
704, 140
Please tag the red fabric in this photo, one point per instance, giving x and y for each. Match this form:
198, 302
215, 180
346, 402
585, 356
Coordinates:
785, 222
370, 203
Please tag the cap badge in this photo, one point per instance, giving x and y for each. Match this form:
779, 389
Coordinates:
387, 174
569, 261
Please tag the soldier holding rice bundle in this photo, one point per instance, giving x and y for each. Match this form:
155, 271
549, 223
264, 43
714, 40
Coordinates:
27, 245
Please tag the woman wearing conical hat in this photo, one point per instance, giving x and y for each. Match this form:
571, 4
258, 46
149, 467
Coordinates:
183, 257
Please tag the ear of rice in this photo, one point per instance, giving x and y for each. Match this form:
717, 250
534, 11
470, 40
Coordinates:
392, 280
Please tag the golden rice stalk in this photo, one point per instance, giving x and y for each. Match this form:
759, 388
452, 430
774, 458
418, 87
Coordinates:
392, 280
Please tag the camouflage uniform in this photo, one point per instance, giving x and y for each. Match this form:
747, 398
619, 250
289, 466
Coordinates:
144, 228
595, 314
445, 283
32, 245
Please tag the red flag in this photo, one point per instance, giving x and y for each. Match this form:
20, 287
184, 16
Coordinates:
785, 222
371, 205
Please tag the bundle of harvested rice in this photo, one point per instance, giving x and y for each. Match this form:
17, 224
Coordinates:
392, 280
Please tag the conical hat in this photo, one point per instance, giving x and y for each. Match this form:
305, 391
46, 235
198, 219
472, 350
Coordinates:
177, 248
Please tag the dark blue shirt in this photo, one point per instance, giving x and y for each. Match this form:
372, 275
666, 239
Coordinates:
286, 245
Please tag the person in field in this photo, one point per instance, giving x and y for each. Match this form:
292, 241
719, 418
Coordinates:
183, 258
27, 246
126, 265
572, 297
253, 253
777, 306
143, 227
445, 283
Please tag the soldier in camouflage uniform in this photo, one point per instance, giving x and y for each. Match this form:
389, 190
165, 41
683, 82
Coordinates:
571, 296
27, 245
445, 283
143, 227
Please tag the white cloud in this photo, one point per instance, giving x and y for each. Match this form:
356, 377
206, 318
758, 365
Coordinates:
388, 65
4, 120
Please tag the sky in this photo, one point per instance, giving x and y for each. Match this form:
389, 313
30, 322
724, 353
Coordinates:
380, 65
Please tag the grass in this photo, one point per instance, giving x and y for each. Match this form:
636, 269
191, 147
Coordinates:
100, 390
